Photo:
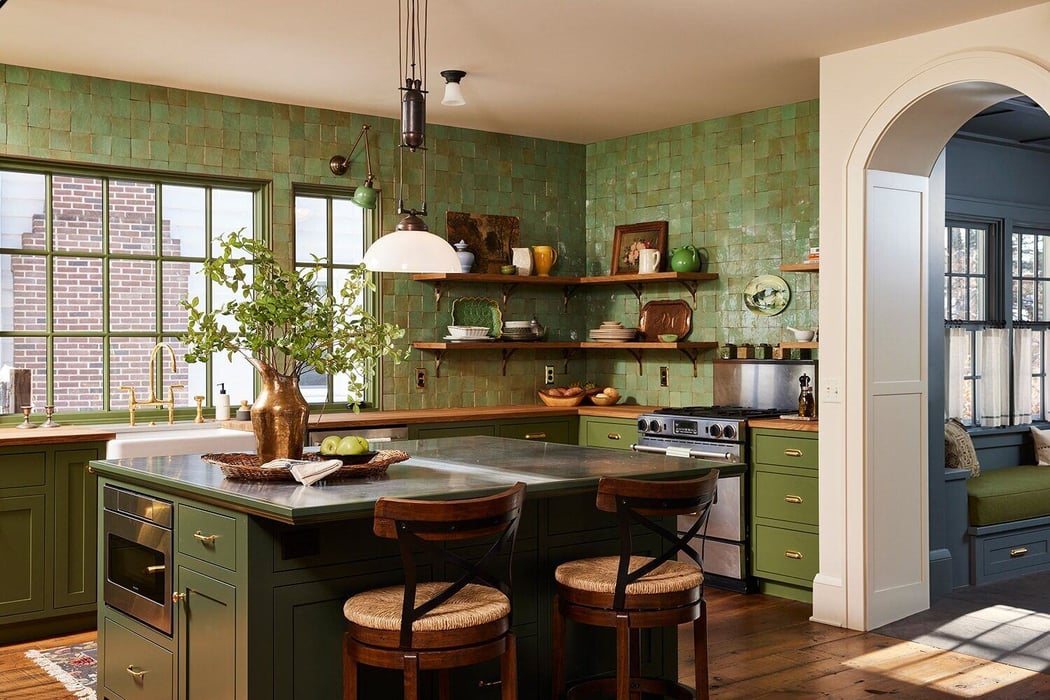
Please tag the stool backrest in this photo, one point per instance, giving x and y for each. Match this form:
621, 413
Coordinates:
638, 502
426, 526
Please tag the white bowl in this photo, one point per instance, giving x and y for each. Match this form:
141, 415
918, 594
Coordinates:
468, 331
803, 336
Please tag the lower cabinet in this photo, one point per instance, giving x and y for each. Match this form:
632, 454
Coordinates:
133, 667
207, 637
784, 512
48, 544
561, 430
616, 433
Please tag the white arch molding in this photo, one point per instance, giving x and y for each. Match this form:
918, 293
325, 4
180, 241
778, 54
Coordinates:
905, 133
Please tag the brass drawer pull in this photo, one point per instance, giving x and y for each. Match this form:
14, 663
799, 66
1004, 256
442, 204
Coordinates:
793, 499
535, 436
155, 569
792, 554
206, 539
792, 452
613, 436
178, 597
135, 673
1019, 552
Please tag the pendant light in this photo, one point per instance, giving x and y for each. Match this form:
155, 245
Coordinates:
411, 247
365, 196
453, 92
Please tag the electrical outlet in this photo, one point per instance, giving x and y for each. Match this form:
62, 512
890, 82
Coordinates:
832, 391
548, 374
421, 378
663, 376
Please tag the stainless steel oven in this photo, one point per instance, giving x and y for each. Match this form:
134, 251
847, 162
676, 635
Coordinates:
137, 561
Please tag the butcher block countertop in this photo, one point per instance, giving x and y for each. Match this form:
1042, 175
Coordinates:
18, 437
375, 419
805, 426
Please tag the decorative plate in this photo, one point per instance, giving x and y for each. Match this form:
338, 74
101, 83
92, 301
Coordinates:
665, 316
478, 311
767, 295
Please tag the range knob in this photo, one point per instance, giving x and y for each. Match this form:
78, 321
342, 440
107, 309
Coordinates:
715, 430
654, 426
642, 424
729, 432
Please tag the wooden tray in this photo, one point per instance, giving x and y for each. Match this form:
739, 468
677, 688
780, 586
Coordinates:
662, 316
245, 465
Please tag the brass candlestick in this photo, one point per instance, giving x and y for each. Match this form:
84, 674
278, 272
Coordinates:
50, 422
200, 411
26, 410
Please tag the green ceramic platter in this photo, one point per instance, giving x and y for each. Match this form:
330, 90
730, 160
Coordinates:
767, 295
478, 311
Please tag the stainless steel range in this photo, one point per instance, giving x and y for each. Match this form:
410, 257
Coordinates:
742, 390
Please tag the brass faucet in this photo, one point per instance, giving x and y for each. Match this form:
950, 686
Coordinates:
153, 400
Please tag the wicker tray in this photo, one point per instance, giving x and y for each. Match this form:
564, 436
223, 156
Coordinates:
245, 465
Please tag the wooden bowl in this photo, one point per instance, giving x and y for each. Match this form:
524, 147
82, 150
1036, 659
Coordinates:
561, 401
604, 400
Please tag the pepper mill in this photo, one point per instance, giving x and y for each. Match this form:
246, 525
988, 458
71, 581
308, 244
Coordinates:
806, 406
26, 410
50, 422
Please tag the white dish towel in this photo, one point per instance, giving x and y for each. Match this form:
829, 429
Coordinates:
305, 471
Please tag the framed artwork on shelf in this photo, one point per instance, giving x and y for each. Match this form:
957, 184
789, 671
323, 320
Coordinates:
631, 239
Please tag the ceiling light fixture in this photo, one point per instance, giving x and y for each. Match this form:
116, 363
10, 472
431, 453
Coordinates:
453, 93
410, 247
365, 196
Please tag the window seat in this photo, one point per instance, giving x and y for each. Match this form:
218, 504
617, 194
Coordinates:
1009, 513
1009, 493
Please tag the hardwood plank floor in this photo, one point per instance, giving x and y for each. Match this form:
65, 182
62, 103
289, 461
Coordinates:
761, 648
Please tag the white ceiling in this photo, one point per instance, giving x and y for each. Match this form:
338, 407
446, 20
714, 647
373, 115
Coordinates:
573, 70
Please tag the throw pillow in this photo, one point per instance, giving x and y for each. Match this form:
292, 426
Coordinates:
958, 448
1041, 438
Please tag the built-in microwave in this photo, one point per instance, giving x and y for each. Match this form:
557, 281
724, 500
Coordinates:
137, 561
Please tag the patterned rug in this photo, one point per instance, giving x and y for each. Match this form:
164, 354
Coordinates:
75, 667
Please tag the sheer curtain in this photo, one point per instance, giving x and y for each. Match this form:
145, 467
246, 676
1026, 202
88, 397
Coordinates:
958, 344
1022, 376
993, 390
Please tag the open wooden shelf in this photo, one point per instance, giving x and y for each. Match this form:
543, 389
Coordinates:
811, 344
801, 267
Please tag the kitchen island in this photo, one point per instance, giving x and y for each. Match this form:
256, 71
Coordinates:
260, 570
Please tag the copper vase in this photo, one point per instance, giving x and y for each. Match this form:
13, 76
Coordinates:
279, 416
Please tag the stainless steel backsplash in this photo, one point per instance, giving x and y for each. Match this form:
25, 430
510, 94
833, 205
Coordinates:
761, 383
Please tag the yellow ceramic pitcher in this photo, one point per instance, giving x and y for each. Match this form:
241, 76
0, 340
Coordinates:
544, 256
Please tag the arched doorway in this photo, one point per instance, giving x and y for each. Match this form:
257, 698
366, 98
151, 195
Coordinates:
874, 422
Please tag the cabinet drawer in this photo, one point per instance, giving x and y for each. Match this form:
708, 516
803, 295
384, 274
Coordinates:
134, 667
786, 497
22, 469
788, 450
786, 554
208, 536
612, 434
545, 431
1012, 553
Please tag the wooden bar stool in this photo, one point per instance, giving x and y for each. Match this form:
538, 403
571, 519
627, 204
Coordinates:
630, 593
439, 625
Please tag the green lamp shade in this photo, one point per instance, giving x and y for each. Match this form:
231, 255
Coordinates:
365, 196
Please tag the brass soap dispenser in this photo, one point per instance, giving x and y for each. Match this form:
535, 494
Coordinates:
807, 407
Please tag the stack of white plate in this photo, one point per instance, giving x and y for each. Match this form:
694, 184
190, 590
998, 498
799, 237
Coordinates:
518, 330
613, 332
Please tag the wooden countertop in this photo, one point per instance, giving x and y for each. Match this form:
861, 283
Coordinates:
374, 419
805, 426
18, 437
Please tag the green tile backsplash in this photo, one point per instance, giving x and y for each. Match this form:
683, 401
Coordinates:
742, 187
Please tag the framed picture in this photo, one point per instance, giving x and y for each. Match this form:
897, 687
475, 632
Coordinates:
631, 239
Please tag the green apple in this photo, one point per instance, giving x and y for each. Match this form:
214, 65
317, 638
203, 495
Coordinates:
352, 445
330, 444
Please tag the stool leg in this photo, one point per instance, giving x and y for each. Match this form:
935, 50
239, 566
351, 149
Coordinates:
411, 673
349, 671
636, 664
557, 651
623, 657
508, 670
700, 653
444, 685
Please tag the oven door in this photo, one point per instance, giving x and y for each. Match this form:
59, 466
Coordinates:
138, 569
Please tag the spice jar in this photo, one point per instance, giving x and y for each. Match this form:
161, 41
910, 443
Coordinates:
727, 351
745, 352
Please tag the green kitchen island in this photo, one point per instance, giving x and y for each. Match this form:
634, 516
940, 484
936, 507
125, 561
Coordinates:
260, 569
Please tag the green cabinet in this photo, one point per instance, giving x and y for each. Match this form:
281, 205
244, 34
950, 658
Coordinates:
207, 637
561, 429
615, 433
48, 522
134, 667
784, 510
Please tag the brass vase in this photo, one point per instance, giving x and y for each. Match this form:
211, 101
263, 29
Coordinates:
279, 416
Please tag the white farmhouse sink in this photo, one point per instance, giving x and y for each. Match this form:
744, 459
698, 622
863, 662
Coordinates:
179, 439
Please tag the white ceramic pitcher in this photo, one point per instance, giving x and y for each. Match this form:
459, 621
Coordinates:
521, 258
648, 260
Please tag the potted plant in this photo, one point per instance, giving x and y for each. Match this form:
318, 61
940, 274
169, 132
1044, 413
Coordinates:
285, 323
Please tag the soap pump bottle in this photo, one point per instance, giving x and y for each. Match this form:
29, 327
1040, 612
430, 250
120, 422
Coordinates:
222, 403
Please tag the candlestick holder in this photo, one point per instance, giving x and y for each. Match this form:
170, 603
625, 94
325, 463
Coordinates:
200, 409
26, 410
50, 422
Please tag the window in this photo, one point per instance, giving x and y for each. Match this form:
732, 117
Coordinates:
92, 270
329, 226
997, 313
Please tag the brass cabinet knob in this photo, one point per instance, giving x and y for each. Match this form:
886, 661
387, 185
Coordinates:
613, 436
178, 597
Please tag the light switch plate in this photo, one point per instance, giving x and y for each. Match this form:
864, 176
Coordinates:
832, 391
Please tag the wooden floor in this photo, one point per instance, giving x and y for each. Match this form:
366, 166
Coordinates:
761, 647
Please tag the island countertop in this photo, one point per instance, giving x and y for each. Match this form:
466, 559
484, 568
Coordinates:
438, 468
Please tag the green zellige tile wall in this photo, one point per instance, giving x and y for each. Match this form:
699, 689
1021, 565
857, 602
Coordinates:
742, 187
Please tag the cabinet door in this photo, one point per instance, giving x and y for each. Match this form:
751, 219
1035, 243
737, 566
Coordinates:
76, 501
22, 554
207, 630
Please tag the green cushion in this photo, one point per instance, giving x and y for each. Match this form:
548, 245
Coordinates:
1008, 494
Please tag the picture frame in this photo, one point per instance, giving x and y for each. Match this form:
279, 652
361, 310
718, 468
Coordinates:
630, 238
